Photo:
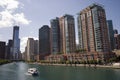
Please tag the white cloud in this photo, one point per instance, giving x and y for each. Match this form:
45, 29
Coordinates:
23, 42
9, 4
20, 18
12, 4
8, 17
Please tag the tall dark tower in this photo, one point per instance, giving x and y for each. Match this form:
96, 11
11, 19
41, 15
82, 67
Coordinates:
44, 41
16, 43
2, 49
9, 50
111, 34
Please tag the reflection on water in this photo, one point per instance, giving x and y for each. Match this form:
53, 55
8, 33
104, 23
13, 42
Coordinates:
17, 71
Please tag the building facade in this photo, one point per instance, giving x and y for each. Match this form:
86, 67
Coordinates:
117, 41
55, 35
16, 43
115, 31
111, 34
24, 54
67, 34
44, 41
9, 50
94, 43
92, 29
36, 47
2, 49
30, 49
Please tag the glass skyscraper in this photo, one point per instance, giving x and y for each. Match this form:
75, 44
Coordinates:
55, 35
44, 41
111, 34
16, 43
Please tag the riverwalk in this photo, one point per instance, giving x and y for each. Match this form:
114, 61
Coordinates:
81, 65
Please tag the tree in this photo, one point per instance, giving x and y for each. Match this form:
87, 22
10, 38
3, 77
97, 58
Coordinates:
77, 51
59, 53
80, 50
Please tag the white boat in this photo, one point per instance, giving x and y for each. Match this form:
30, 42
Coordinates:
33, 71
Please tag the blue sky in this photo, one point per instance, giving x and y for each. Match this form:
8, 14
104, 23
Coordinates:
30, 15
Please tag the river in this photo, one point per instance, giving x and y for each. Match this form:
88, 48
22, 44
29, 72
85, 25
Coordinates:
17, 71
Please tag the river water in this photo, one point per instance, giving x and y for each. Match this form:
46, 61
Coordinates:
17, 71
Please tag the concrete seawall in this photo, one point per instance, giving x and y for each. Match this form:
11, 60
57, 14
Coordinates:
82, 65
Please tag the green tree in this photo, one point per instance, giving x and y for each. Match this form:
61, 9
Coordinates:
59, 53
80, 50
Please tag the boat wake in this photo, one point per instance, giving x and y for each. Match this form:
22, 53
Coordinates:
28, 74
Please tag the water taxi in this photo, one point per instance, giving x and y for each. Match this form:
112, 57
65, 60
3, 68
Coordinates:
33, 71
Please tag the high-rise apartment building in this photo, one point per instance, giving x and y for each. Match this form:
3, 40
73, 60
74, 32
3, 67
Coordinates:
92, 29
30, 49
44, 41
16, 43
111, 34
117, 41
67, 34
55, 35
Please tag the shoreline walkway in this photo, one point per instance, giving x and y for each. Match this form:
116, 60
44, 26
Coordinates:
81, 65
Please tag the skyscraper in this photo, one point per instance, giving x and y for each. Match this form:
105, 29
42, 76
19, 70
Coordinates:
111, 34
115, 31
55, 36
16, 43
30, 49
117, 41
44, 41
36, 47
92, 29
2, 49
9, 50
67, 34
